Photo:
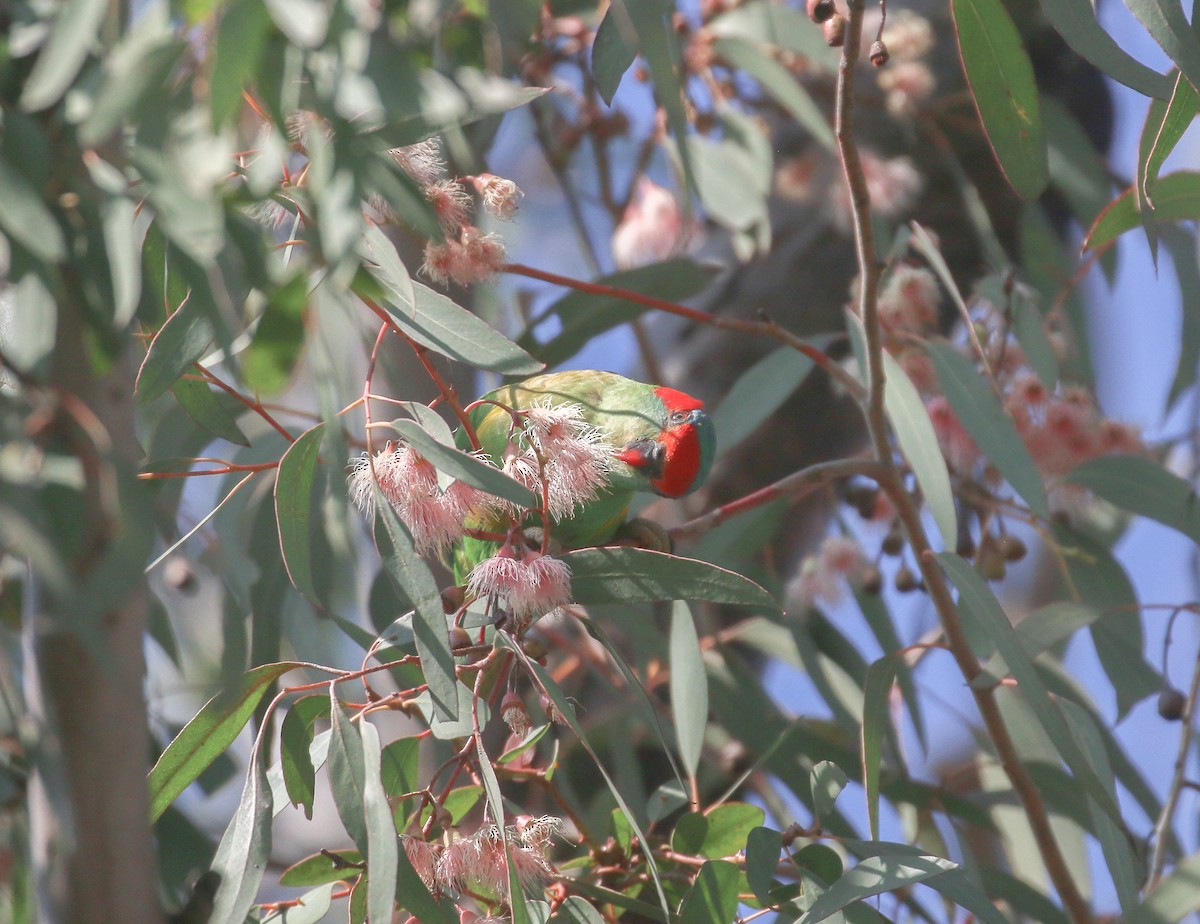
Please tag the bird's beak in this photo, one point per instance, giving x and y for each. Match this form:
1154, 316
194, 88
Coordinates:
646, 455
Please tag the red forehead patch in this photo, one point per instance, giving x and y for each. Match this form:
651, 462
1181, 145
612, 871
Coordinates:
674, 400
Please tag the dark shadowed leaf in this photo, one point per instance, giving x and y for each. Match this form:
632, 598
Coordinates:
612, 54
1075, 21
988, 424
1126, 871
689, 687
295, 758
875, 722
207, 735
413, 579
1097, 579
577, 910
464, 466
209, 409
1176, 198
623, 575
268, 361
1144, 487
762, 856
293, 509
242, 856
713, 897
1187, 269
179, 342
1005, 92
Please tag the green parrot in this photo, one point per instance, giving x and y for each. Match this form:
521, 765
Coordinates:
652, 438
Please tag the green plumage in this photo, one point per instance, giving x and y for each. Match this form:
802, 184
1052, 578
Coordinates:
624, 412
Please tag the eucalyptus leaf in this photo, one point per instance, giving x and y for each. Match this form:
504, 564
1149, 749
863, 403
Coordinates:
1002, 83
689, 687
294, 479
208, 734
625, 575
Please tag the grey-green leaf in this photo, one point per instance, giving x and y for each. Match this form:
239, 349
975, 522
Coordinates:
988, 424
612, 54
1144, 487
435, 321
464, 466
689, 687
1002, 83
293, 509
623, 575
413, 579
75, 31
347, 771
382, 843
758, 393
242, 856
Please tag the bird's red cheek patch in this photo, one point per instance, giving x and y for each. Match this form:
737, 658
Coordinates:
682, 461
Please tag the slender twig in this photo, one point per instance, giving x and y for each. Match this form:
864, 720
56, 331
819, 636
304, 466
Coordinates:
195, 529
793, 486
764, 328
892, 483
1162, 825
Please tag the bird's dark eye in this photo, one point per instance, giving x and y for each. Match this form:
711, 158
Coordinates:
679, 417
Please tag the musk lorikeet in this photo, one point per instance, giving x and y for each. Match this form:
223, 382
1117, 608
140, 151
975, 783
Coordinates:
648, 438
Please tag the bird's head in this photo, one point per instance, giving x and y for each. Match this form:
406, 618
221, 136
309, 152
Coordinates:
675, 460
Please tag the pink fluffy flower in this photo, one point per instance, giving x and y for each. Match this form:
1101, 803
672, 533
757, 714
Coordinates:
893, 185
652, 229
559, 452
421, 161
472, 257
526, 583
824, 576
451, 203
500, 196
478, 862
956, 444
424, 858
909, 301
409, 483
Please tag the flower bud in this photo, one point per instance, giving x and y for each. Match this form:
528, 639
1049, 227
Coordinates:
820, 11
515, 715
835, 30
1012, 548
906, 581
872, 580
1171, 703
893, 542
879, 53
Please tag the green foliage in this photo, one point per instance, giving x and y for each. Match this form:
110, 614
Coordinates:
215, 222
